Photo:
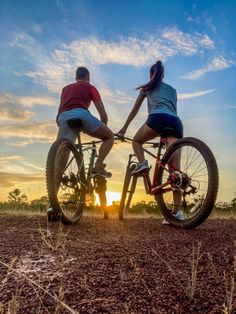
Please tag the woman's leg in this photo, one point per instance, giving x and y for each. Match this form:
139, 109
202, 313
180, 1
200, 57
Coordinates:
145, 133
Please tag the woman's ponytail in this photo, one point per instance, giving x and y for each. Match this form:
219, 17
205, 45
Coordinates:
156, 76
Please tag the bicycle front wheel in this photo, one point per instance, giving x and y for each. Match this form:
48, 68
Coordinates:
65, 178
127, 192
192, 188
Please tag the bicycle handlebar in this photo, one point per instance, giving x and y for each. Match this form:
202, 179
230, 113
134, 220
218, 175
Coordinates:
124, 139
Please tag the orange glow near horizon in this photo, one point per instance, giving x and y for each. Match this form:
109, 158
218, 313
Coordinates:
111, 197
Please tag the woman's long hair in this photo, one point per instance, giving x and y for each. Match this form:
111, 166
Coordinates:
156, 76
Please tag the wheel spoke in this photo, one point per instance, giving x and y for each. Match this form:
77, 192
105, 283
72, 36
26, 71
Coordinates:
68, 194
190, 185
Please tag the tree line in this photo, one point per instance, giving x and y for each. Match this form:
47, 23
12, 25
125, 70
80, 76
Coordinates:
19, 201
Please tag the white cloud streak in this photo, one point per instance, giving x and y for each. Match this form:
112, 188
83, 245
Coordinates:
12, 107
6, 159
11, 110
56, 68
8, 179
40, 131
218, 63
194, 94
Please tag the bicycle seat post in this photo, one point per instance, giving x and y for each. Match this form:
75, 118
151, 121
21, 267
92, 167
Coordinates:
161, 145
77, 127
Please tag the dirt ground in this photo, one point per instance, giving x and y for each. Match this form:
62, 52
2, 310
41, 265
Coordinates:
97, 266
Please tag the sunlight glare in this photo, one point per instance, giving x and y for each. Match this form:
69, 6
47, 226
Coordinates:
111, 197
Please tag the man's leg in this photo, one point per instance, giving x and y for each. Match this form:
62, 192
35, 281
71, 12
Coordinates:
107, 137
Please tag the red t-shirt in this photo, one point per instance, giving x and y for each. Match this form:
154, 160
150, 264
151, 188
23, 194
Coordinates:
78, 95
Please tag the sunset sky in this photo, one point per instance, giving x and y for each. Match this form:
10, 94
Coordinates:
43, 42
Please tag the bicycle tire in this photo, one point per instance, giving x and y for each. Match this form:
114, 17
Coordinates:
61, 203
200, 207
100, 188
124, 201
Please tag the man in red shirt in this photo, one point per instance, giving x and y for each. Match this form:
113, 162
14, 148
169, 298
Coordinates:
75, 101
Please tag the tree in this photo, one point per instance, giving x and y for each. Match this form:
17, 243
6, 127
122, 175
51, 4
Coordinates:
39, 204
16, 197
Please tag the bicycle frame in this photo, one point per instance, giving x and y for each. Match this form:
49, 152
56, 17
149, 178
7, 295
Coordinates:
151, 186
99, 184
88, 146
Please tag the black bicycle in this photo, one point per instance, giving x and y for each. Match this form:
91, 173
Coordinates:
68, 178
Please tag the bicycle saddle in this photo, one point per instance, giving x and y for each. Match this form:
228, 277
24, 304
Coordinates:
166, 132
75, 124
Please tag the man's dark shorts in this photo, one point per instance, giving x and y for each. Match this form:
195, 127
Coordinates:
165, 125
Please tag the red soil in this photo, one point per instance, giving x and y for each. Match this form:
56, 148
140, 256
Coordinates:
135, 266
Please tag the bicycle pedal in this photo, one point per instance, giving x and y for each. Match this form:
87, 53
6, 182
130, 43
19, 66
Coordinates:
140, 174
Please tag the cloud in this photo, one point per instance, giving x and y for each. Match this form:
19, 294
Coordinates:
122, 98
206, 41
6, 159
116, 97
23, 143
186, 43
194, 94
233, 107
40, 131
8, 179
27, 101
203, 19
12, 107
218, 63
53, 69
13, 111
133, 51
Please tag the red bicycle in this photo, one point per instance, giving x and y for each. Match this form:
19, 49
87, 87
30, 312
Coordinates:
191, 188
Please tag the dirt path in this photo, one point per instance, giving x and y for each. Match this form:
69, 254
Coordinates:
97, 266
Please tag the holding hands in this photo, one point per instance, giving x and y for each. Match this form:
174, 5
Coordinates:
122, 131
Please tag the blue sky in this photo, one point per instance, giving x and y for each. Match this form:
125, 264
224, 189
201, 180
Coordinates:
42, 43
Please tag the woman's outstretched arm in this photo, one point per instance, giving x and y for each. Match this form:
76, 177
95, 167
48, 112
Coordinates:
132, 114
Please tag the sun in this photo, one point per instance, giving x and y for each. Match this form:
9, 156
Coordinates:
111, 197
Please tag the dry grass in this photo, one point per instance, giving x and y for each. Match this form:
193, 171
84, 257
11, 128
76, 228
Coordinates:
191, 281
214, 271
54, 241
230, 291
58, 299
138, 275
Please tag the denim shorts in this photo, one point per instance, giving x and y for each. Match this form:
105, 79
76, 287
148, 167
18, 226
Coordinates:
165, 125
89, 122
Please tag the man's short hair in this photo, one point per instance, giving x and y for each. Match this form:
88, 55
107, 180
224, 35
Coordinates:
81, 73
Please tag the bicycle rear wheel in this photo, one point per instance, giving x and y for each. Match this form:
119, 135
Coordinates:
65, 178
192, 188
127, 192
100, 188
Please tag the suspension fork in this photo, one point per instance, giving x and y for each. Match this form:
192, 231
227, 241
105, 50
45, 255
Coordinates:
129, 161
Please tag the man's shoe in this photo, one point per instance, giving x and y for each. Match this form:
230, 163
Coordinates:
101, 172
140, 168
179, 215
